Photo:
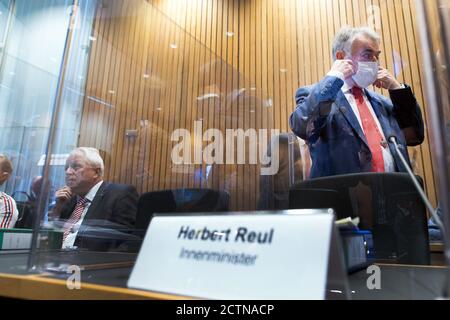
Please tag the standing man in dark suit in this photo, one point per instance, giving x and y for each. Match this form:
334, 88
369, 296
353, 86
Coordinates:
90, 208
346, 126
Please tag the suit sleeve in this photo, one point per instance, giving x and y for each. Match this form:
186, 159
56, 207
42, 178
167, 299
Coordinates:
125, 207
408, 114
313, 108
64, 211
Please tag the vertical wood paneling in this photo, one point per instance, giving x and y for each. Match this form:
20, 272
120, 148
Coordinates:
417, 73
277, 46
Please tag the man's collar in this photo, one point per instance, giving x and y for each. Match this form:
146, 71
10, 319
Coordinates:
347, 87
91, 194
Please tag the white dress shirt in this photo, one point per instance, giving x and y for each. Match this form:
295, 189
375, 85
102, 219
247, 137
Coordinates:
70, 239
389, 164
306, 159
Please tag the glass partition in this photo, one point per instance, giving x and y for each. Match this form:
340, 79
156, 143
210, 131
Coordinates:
435, 19
175, 124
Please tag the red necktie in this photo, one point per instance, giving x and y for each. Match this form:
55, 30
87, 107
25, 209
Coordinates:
76, 215
371, 130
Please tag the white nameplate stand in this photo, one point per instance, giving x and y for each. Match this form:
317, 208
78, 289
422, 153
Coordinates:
273, 255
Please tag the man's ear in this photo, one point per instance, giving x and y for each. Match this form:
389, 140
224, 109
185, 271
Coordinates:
340, 55
97, 172
3, 177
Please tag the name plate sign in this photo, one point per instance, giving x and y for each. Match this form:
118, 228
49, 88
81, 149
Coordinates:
237, 256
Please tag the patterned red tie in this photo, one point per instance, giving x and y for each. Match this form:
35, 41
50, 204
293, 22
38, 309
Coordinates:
371, 130
76, 215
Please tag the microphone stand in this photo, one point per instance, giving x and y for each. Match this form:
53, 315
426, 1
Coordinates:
427, 202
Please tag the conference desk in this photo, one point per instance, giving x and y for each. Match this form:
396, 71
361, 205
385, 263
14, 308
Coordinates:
105, 276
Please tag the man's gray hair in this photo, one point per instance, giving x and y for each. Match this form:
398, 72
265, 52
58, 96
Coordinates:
92, 157
344, 38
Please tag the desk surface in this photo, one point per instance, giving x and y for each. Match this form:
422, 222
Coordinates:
401, 282
105, 276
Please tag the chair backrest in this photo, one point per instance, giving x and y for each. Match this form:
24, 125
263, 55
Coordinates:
27, 210
308, 199
179, 200
387, 204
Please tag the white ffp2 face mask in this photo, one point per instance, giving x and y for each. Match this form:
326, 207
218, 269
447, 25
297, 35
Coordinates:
367, 74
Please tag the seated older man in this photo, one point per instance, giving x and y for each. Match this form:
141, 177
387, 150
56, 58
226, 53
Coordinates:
94, 212
8, 208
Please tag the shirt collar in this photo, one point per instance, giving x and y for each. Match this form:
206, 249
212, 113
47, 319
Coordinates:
91, 194
346, 87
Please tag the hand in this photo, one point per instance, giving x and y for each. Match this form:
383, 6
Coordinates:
346, 67
386, 80
63, 195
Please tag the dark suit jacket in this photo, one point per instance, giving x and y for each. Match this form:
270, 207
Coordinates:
337, 144
109, 219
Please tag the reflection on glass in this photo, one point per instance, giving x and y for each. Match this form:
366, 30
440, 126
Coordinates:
30, 70
435, 36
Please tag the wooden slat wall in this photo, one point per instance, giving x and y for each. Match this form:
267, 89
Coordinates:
276, 46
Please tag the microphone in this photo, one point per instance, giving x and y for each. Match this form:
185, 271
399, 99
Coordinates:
393, 139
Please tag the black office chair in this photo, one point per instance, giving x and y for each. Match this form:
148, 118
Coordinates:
27, 210
307, 199
173, 201
179, 200
387, 204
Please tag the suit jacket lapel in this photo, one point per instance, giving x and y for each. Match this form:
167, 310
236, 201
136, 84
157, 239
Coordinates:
93, 208
346, 110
